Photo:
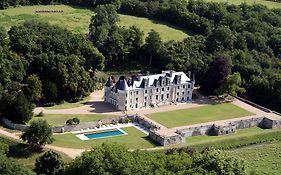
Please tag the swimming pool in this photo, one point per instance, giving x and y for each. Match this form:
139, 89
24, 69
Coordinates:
105, 134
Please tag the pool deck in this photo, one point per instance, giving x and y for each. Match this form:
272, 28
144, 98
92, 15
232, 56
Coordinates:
81, 134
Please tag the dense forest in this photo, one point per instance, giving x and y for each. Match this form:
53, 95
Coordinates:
235, 45
44, 63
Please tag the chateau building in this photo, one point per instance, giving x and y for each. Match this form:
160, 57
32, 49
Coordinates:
139, 92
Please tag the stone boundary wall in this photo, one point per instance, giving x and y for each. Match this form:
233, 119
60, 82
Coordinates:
253, 104
228, 127
143, 122
90, 125
9, 124
66, 128
166, 140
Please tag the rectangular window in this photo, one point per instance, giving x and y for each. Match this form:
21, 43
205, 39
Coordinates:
168, 88
145, 104
187, 92
183, 86
145, 98
182, 93
162, 89
157, 90
189, 86
156, 97
178, 87
136, 105
167, 95
178, 93
162, 97
145, 91
137, 92
137, 99
150, 97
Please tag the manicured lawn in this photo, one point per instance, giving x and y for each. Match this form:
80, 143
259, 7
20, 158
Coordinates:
60, 119
264, 158
78, 19
134, 140
27, 160
269, 4
196, 115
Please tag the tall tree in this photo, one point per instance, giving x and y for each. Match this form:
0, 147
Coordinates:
38, 134
218, 71
33, 87
3, 36
102, 24
153, 44
50, 163
231, 85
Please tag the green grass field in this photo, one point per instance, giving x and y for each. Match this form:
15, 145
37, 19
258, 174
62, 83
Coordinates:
134, 140
269, 4
264, 158
242, 133
27, 161
78, 19
60, 119
197, 115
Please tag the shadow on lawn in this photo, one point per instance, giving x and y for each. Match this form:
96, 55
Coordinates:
100, 107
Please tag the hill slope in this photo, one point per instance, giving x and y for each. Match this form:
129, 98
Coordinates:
78, 19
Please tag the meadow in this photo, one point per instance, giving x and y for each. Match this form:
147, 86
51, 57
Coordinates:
263, 158
77, 19
269, 4
197, 115
259, 148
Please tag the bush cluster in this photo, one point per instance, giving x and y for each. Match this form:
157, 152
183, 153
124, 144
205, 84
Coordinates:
73, 121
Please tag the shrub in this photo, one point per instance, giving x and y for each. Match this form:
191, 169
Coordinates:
76, 120
114, 122
40, 114
50, 163
69, 121
38, 134
50, 104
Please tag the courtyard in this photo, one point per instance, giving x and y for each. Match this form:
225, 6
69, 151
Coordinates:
196, 115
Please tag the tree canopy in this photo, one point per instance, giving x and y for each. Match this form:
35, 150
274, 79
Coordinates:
38, 134
115, 159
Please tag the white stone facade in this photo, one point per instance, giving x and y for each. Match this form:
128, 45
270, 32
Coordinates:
140, 92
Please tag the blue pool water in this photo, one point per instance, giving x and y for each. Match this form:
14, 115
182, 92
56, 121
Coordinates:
104, 134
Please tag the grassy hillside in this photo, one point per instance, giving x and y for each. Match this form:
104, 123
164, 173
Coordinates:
78, 19
269, 4
264, 158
